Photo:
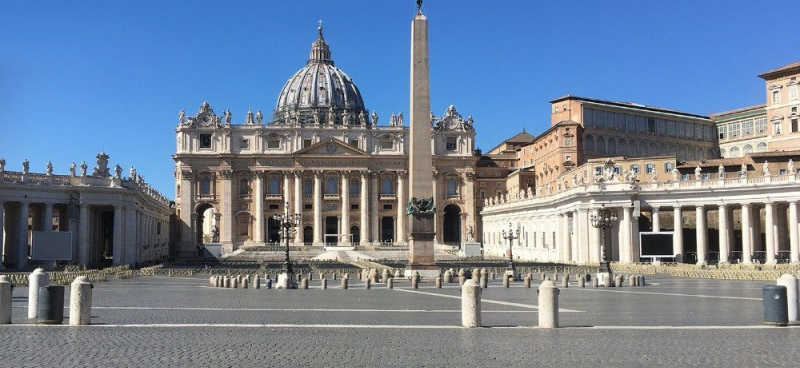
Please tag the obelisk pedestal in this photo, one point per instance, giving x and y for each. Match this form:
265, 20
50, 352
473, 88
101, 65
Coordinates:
421, 207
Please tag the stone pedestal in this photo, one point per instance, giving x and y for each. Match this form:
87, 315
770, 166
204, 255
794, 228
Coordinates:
286, 281
603, 279
470, 249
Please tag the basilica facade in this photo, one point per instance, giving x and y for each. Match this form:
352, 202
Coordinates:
320, 154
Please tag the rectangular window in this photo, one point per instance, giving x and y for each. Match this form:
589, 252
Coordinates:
244, 187
567, 141
306, 206
598, 170
651, 125
568, 158
451, 143
617, 170
635, 168
761, 125
734, 130
354, 188
452, 187
776, 97
244, 144
794, 126
668, 167
308, 188
782, 172
275, 206
723, 132
205, 140
650, 168
274, 186
306, 143
205, 186
776, 128
387, 206
747, 127
273, 142
793, 92
354, 143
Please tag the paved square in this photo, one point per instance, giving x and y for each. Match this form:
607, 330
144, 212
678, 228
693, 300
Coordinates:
158, 321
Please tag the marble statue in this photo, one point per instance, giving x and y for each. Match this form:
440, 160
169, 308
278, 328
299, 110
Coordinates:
249, 120
26, 166
315, 117
743, 170
83, 168
72, 169
331, 115
132, 173
529, 192
228, 116
2, 165
675, 174
721, 172
765, 168
259, 116
362, 118
697, 175
789, 168
399, 121
345, 118
181, 117
49, 168
393, 119
215, 234
470, 233
419, 6
433, 118
117, 172
374, 118
101, 169
630, 176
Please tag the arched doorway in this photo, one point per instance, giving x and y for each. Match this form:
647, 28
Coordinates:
452, 224
206, 227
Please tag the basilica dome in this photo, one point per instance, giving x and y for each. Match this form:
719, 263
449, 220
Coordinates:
320, 93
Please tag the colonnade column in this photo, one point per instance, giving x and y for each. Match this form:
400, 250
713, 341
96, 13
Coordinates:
258, 230
226, 233
117, 247
345, 209
22, 246
724, 234
2, 231
677, 233
298, 204
401, 207
83, 235
374, 226
794, 242
287, 191
626, 238
563, 235
575, 243
594, 236
436, 236
770, 233
317, 208
187, 220
747, 234
47, 218
656, 214
363, 207
702, 234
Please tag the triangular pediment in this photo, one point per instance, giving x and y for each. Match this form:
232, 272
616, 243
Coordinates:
331, 147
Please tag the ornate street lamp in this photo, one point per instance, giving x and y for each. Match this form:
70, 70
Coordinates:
288, 224
510, 235
603, 219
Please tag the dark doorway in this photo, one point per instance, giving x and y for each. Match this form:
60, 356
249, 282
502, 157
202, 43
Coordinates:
356, 234
331, 230
387, 229
308, 235
200, 237
452, 225
273, 231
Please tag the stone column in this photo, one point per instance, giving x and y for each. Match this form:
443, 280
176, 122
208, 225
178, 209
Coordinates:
375, 210
318, 208
345, 190
724, 234
770, 232
47, 217
287, 191
656, 214
22, 238
227, 220
2, 236
298, 204
594, 234
363, 207
626, 236
436, 223
702, 234
677, 233
83, 235
575, 243
118, 256
401, 207
794, 242
187, 219
563, 241
258, 229
747, 234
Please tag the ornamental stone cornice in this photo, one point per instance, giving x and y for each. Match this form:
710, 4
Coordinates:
225, 174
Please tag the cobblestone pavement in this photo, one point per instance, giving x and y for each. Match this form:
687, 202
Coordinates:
713, 323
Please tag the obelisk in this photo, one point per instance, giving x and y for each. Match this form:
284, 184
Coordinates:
420, 161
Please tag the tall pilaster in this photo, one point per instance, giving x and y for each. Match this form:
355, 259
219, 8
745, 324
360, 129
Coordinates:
420, 159
345, 190
594, 235
117, 240
317, 208
84, 236
701, 231
298, 205
677, 233
770, 233
258, 228
436, 223
656, 214
563, 238
374, 208
186, 222
747, 234
626, 236
22, 238
226, 233
363, 207
401, 207
287, 191
724, 234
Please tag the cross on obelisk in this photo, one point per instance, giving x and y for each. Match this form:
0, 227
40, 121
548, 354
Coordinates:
420, 161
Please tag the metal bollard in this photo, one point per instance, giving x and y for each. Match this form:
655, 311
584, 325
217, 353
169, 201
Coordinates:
618, 281
790, 282
36, 279
368, 283
775, 306
6, 291
50, 305
506, 281
581, 282
527, 281
80, 301
304, 283
344, 283
470, 304
390, 283
484, 281
324, 283
438, 282
269, 284
548, 305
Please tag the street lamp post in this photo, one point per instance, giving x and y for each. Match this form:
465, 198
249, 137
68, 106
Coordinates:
603, 219
288, 224
510, 235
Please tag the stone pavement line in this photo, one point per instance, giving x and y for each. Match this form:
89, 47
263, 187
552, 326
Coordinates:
407, 327
512, 304
669, 294
294, 309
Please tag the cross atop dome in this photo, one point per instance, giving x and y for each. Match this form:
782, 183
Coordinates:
320, 52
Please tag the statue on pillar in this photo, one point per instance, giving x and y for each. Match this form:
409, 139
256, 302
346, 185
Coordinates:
259, 117
765, 168
181, 117
132, 173
362, 118
721, 172
83, 168
249, 120
675, 174
743, 170
393, 120
374, 118
331, 115
470, 233
789, 168
101, 169
118, 172
399, 121
697, 175
26, 166
49, 168
345, 117
228, 116
72, 169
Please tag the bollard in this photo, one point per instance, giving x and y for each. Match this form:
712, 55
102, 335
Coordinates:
246, 282
385, 274
437, 282
334, 275
415, 281
618, 281
368, 283
211, 281
790, 282
565, 281
304, 283
641, 281
36, 279
258, 282
268, 284
5, 300
594, 282
448, 277
548, 305
470, 304
310, 276
226, 282
506, 282
344, 283
390, 284
50, 305
235, 283
80, 302
324, 283
527, 281
581, 282
775, 307
494, 275
484, 281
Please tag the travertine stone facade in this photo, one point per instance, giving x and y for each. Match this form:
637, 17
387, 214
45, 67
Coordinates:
783, 101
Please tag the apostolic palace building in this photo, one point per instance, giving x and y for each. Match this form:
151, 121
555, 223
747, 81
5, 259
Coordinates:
724, 187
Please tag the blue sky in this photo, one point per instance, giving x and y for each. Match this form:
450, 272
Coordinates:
79, 77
